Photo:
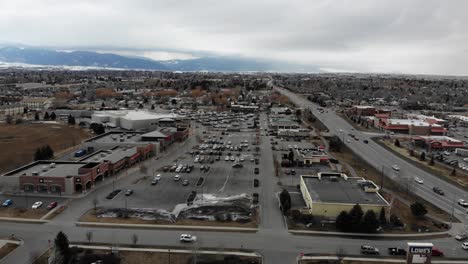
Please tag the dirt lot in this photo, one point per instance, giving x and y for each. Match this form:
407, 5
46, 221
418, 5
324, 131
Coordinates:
22, 213
90, 217
460, 178
24, 139
6, 249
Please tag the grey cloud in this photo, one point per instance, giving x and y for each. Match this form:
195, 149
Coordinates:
411, 36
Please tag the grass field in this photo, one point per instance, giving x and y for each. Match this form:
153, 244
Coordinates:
19, 142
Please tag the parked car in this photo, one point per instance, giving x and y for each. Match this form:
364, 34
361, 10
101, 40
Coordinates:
177, 177
366, 141
185, 183
461, 236
438, 190
437, 252
52, 205
256, 171
129, 192
158, 177
7, 203
369, 250
293, 172
187, 238
154, 181
37, 205
463, 203
395, 251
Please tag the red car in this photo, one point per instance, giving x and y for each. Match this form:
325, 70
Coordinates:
437, 253
52, 205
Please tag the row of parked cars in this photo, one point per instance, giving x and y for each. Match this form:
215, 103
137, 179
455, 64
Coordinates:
184, 168
395, 251
36, 205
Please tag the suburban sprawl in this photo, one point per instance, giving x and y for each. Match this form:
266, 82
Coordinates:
117, 166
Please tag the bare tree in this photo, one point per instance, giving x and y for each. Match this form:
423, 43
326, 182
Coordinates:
134, 239
89, 236
95, 202
143, 169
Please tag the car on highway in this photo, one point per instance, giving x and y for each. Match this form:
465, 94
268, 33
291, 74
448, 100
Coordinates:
366, 141
36, 205
369, 250
177, 177
7, 203
438, 191
187, 238
112, 194
463, 203
129, 192
185, 183
395, 251
461, 236
418, 180
396, 167
52, 205
465, 245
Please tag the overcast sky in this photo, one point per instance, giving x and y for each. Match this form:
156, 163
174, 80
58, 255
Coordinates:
367, 36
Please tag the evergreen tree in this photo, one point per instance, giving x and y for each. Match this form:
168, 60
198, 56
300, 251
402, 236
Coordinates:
49, 152
423, 156
38, 154
36, 116
53, 116
397, 143
382, 217
291, 156
152, 107
370, 222
418, 209
343, 222
62, 245
285, 200
356, 214
46, 116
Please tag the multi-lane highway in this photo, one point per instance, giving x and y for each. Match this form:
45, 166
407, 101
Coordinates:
381, 158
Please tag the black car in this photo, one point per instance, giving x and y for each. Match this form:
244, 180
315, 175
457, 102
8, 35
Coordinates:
293, 172
438, 190
365, 141
113, 194
396, 251
256, 170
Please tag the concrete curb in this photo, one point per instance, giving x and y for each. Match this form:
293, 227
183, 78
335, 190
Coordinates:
168, 250
23, 220
364, 235
169, 227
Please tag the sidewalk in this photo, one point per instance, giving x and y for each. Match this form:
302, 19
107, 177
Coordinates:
384, 236
376, 260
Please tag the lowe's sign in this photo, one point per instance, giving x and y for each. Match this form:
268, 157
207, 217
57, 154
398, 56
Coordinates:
421, 250
419, 253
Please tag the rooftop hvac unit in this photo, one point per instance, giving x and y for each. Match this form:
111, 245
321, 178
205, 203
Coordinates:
122, 139
35, 173
44, 168
52, 165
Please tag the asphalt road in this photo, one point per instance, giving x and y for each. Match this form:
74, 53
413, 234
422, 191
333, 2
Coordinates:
272, 240
383, 159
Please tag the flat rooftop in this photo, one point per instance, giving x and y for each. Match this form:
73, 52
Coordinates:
47, 169
113, 155
118, 137
136, 114
340, 191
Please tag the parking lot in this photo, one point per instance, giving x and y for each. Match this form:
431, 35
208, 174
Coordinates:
221, 178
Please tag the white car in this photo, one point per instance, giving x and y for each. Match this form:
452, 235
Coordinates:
252, 159
241, 159
465, 245
226, 158
463, 203
158, 177
36, 205
187, 238
233, 158
177, 177
418, 180
396, 167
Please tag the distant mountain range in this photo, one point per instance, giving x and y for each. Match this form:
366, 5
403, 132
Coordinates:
48, 57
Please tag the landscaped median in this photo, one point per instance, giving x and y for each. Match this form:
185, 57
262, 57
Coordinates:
234, 213
38, 216
7, 245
